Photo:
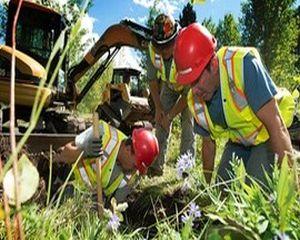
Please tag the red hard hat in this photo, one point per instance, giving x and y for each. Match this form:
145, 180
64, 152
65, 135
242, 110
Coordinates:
145, 147
194, 47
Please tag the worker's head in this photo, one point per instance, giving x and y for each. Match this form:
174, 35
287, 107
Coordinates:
141, 150
164, 30
196, 61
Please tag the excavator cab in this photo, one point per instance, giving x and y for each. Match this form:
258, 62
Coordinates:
124, 101
130, 77
38, 29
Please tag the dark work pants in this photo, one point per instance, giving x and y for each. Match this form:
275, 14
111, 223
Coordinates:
258, 160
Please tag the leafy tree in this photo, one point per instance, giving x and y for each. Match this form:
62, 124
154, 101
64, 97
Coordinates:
153, 13
188, 15
270, 25
3, 19
227, 32
94, 97
210, 25
297, 50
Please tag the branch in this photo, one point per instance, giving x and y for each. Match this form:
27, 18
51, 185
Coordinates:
12, 127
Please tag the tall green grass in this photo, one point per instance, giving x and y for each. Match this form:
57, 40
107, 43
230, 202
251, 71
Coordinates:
246, 212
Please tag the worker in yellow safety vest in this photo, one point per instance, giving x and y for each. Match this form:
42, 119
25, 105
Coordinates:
232, 95
168, 96
120, 157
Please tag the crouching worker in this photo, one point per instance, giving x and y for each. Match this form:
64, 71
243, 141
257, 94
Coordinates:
121, 157
233, 94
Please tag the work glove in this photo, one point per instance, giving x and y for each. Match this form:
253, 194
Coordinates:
93, 148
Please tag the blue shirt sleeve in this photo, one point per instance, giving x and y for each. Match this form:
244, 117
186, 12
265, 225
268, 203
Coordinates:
259, 87
200, 130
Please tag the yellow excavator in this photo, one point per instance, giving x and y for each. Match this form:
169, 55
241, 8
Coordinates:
38, 29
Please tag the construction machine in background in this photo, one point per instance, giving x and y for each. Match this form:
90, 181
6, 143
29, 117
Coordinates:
125, 103
38, 29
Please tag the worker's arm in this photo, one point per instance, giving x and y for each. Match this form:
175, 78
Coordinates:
208, 157
68, 153
180, 105
279, 136
154, 89
84, 142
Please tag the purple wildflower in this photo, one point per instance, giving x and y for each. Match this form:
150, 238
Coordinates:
113, 223
195, 210
185, 218
185, 163
192, 214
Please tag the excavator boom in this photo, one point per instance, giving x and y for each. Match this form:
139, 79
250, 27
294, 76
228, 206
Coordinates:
126, 33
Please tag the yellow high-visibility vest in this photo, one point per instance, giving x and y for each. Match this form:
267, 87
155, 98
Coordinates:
243, 125
158, 63
85, 172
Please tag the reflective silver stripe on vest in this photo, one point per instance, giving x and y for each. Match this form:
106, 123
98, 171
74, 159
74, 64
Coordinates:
200, 112
101, 131
110, 145
112, 142
122, 184
157, 61
250, 140
84, 176
238, 99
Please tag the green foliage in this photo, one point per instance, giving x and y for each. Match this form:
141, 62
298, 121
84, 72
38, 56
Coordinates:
227, 32
247, 212
153, 13
187, 16
94, 96
166, 232
286, 194
187, 230
209, 24
297, 50
261, 213
271, 26
3, 19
